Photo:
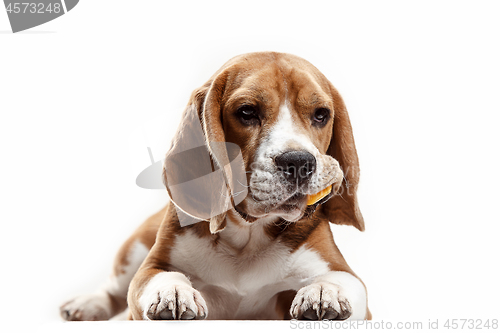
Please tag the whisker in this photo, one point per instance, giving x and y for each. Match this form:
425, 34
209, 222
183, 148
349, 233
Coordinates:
282, 223
237, 193
247, 186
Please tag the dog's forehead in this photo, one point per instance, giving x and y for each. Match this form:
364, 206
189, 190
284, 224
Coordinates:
287, 89
277, 81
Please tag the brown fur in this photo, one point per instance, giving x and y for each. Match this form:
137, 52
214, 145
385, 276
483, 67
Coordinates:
257, 78
252, 79
237, 82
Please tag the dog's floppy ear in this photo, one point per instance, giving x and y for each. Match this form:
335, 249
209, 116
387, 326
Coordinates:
343, 208
226, 156
203, 173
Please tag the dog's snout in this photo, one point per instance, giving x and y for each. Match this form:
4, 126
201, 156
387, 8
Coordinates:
297, 166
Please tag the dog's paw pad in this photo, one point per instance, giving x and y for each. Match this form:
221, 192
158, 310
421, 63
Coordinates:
320, 301
177, 303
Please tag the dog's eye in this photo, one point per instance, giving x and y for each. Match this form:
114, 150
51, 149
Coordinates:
321, 116
248, 115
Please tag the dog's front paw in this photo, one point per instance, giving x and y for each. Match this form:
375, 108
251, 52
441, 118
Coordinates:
319, 301
87, 307
175, 302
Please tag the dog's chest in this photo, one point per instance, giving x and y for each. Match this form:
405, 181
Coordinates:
245, 268
242, 261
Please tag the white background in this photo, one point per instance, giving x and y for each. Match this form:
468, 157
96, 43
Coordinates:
82, 97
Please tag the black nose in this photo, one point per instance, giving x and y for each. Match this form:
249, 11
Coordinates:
297, 166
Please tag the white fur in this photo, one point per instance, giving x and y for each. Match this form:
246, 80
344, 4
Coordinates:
268, 188
96, 306
240, 277
171, 291
351, 288
117, 285
339, 291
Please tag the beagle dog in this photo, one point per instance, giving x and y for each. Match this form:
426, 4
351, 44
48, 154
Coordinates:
266, 254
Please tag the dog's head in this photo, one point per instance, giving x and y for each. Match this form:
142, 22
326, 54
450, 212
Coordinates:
294, 134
